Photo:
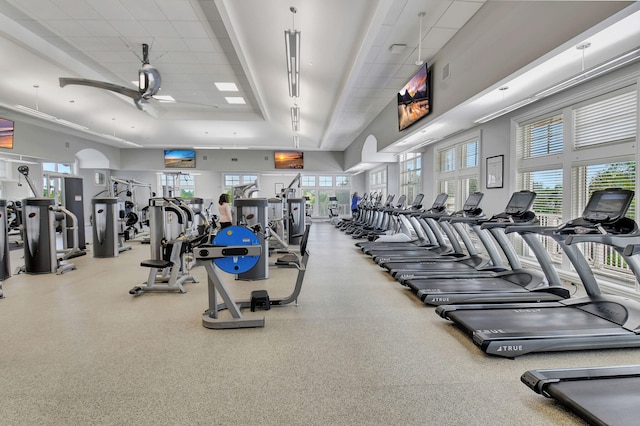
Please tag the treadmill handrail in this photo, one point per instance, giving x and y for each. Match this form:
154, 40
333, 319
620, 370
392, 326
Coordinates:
464, 219
490, 224
530, 229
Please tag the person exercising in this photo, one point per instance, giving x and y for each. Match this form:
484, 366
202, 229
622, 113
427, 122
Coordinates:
224, 208
354, 204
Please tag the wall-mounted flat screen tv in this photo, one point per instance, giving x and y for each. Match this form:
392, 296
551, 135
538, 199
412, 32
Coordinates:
414, 99
6, 133
179, 158
288, 160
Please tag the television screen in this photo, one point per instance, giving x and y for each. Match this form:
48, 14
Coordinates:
180, 158
6, 133
288, 160
414, 99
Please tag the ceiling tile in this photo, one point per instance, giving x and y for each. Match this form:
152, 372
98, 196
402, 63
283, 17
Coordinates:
437, 37
200, 45
190, 29
130, 29
41, 9
143, 10
67, 28
168, 44
458, 14
178, 10
77, 9
110, 9
159, 28
99, 28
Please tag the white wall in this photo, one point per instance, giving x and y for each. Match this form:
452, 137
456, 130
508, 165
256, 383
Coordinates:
475, 61
498, 139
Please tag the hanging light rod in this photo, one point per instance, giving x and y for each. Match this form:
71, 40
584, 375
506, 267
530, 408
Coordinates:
295, 118
420, 61
292, 47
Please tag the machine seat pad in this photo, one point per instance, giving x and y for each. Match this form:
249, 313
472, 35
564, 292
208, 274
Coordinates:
156, 263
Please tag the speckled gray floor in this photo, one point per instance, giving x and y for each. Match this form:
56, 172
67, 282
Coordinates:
359, 349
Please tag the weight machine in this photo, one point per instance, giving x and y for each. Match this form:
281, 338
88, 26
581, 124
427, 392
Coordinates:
40, 215
5, 268
173, 235
245, 191
129, 212
236, 250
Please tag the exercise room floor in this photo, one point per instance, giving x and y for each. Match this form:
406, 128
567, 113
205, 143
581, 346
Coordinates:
359, 349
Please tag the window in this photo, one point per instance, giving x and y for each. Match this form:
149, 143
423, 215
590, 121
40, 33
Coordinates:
541, 137
178, 185
378, 181
325, 180
342, 181
308, 180
64, 168
100, 179
610, 120
319, 188
410, 175
458, 171
597, 152
232, 180
547, 184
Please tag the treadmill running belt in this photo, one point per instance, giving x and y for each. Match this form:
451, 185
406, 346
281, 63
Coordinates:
530, 321
607, 401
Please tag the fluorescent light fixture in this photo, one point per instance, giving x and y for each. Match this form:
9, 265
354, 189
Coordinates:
582, 77
35, 112
164, 98
117, 139
20, 160
505, 110
226, 87
593, 72
235, 100
292, 46
418, 146
49, 117
295, 118
71, 124
221, 147
296, 142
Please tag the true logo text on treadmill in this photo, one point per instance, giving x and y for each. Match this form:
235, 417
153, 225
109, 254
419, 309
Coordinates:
510, 348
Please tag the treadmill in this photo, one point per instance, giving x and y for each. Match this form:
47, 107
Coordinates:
415, 206
596, 321
515, 285
470, 265
431, 225
600, 395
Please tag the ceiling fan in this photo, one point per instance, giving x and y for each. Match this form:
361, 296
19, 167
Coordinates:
149, 81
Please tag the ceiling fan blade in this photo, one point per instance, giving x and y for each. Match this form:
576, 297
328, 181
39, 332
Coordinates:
132, 93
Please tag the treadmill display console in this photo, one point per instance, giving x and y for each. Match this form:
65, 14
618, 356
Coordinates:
607, 205
473, 201
438, 203
520, 202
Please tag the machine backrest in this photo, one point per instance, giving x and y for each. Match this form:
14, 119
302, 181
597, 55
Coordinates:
305, 238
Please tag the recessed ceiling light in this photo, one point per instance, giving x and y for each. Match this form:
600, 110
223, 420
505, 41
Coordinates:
238, 100
227, 87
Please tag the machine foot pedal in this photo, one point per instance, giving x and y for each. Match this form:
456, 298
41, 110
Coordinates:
260, 298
